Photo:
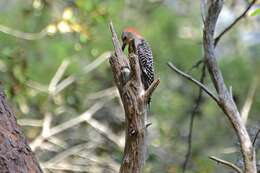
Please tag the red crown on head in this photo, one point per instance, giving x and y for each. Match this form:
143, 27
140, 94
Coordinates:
132, 30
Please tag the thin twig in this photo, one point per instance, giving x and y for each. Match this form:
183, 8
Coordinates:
21, 34
46, 124
106, 132
62, 155
249, 101
103, 93
205, 89
234, 22
37, 86
196, 65
84, 117
198, 102
224, 31
115, 40
59, 86
64, 84
30, 122
58, 75
66, 125
151, 88
256, 136
226, 163
88, 68
58, 142
72, 168
97, 62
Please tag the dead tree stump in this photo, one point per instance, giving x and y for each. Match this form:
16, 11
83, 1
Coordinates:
127, 76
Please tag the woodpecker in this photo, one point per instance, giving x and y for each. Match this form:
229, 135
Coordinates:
138, 45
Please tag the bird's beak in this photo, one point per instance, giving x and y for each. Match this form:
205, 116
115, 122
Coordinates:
124, 44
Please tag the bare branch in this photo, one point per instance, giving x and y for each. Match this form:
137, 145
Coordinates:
30, 122
64, 84
58, 142
61, 156
56, 86
106, 132
58, 75
203, 9
150, 90
256, 136
217, 39
117, 47
196, 65
234, 22
199, 84
103, 93
119, 62
226, 101
97, 62
64, 126
37, 86
198, 102
227, 164
22, 35
249, 101
46, 123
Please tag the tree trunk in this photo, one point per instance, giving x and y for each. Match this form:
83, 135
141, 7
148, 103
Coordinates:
226, 101
15, 153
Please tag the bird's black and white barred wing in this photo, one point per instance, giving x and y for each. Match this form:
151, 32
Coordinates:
145, 55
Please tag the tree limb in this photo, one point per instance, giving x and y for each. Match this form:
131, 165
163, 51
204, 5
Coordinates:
151, 89
226, 102
217, 39
198, 102
227, 164
196, 65
249, 101
21, 34
116, 43
234, 22
199, 84
256, 136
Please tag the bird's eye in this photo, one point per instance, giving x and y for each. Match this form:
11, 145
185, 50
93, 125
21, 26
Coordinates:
123, 38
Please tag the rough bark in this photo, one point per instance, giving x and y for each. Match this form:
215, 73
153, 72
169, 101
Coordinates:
127, 76
226, 101
15, 153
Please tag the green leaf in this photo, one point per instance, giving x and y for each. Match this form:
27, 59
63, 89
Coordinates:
256, 12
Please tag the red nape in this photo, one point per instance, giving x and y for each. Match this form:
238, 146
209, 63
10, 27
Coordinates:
132, 30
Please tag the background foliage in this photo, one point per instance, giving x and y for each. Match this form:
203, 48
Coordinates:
37, 36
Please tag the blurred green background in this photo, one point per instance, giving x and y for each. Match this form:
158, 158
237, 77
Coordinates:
54, 67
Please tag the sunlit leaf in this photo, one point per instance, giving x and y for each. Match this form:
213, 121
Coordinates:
67, 14
51, 29
64, 27
37, 4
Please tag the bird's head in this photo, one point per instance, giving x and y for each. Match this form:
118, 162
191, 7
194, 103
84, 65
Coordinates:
128, 35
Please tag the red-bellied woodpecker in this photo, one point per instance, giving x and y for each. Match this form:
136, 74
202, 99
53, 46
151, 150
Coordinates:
142, 49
